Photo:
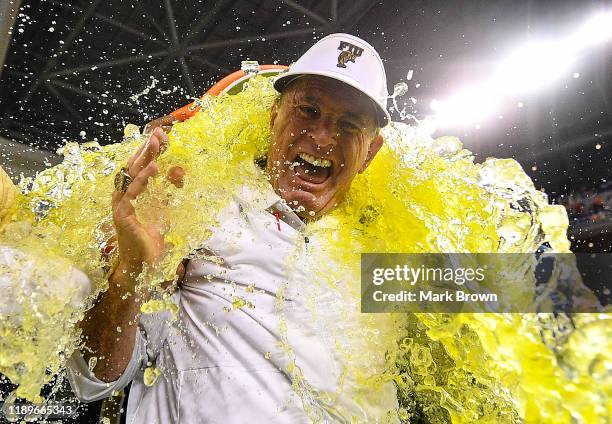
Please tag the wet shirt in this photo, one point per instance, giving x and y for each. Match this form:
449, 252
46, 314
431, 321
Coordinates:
245, 347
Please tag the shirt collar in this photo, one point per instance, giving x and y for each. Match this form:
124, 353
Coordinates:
252, 199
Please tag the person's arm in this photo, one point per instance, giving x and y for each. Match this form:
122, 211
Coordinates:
110, 327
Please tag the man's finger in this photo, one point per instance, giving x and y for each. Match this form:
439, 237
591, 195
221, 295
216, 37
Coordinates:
164, 141
176, 176
140, 154
117, 195
138, 185
148, 154
132, 158
122, 206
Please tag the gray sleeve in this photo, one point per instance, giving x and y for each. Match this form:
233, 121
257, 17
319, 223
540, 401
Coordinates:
150, 337
88, 388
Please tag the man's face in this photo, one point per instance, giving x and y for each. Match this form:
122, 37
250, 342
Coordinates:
323, 133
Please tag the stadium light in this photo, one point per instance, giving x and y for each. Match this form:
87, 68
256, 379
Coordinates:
595, 31
530, 67
470, 105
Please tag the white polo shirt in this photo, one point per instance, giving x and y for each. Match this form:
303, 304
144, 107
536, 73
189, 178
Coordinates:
246, 347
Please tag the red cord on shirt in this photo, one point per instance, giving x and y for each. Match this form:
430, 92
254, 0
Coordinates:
277, 215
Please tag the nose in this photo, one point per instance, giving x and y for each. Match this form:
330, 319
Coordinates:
323, 133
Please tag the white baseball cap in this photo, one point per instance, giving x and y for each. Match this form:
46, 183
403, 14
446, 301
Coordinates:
345, 58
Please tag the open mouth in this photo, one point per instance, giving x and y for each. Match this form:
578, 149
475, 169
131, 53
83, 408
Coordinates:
312, 169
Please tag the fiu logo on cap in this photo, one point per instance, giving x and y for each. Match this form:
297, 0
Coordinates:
349, 53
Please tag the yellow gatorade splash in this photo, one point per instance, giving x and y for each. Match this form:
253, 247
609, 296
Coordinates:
8, 192
151, 374
418, 196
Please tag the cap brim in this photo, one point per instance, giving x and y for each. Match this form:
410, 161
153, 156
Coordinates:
282, 81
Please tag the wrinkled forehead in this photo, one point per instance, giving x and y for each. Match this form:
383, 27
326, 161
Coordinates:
332, 95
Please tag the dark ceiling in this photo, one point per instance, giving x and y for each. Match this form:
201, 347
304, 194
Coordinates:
75, 68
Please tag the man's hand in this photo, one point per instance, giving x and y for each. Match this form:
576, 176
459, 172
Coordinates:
138, 244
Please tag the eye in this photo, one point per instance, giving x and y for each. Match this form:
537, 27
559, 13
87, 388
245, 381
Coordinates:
349, 127
307, 111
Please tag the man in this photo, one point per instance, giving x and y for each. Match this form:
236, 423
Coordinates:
223, 365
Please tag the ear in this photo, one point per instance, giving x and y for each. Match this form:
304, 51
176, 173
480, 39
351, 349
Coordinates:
375, 146
273, 112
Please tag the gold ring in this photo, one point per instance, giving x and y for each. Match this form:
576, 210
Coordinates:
122, 180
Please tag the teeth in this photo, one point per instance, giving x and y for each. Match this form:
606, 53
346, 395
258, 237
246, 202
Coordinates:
324, 163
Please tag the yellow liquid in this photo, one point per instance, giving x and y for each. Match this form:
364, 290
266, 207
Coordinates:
418, 195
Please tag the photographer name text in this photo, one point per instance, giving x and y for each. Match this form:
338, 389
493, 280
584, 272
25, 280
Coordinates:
431, 296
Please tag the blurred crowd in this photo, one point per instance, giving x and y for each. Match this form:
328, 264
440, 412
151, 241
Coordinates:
590, 203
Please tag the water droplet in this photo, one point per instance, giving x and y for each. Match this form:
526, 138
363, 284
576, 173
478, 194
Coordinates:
400, 89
